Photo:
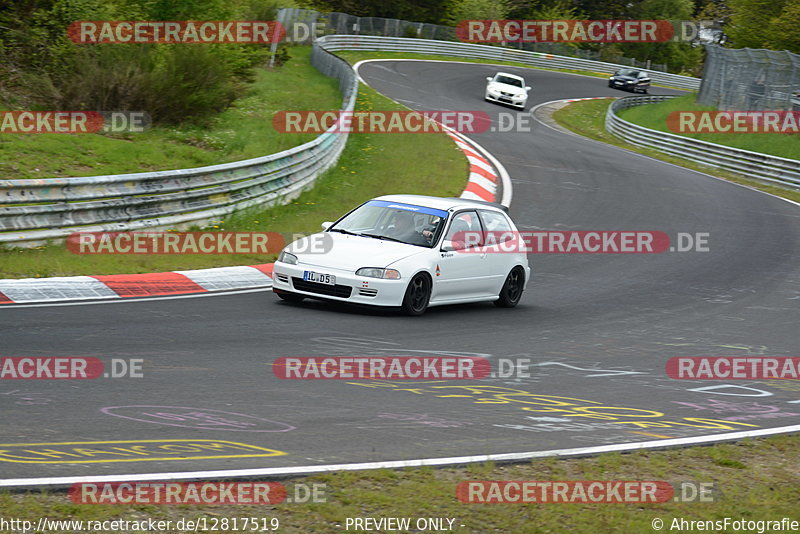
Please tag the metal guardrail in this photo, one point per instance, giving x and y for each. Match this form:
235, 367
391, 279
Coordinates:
33, 211
495, 53
755, 165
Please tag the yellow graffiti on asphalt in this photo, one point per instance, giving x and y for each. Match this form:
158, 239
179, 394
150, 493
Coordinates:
82, 452
555, 405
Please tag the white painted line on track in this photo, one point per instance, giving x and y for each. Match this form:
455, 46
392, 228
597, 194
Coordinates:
397, 464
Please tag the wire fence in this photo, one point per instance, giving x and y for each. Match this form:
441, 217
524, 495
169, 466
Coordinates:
297, 20
749, 79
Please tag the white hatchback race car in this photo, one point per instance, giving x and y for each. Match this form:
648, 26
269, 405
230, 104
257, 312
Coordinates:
411, 252
507, 89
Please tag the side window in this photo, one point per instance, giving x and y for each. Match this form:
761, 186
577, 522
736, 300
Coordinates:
497, 227
465, 230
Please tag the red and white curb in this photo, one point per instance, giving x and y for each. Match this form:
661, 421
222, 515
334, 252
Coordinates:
120, 286
482, 184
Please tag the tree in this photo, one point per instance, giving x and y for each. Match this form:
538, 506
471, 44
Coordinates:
458, 10
608, 9
784, 31
751, 21
430, 11
678, 55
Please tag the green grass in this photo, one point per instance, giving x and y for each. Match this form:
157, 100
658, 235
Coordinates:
241, 132
371, 165
654, 116
353, 57
752, 480
587, 118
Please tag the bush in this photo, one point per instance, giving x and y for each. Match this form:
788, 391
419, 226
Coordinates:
174, 83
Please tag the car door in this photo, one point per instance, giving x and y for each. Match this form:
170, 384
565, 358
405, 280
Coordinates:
501, 246
462, 268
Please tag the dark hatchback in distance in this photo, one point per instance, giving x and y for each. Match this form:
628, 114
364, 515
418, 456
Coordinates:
631, 80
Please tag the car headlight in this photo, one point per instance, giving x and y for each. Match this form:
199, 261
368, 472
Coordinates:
285, 257
377, 272
610, 77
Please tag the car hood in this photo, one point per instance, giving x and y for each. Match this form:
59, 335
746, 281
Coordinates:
349, 252
507, 88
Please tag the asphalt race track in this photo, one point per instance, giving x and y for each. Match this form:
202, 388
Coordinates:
597, 328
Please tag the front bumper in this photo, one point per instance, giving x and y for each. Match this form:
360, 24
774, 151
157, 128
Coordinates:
621, 84
510, 100
349, 287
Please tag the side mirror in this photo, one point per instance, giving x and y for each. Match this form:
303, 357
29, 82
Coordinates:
450, 246
488, 78
326, 225
527, 87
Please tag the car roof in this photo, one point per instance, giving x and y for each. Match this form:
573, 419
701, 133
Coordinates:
443, 203
509, 75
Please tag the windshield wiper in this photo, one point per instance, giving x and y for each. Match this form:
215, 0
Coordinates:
376, 236
348, 232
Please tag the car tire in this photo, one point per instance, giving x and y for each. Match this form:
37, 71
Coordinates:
512, 289
644, 91
417, 296
289, 297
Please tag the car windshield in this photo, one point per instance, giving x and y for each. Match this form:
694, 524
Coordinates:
508, 81
394, 221
627, 72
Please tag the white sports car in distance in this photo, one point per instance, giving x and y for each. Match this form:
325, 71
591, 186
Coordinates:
507, 89
409, 251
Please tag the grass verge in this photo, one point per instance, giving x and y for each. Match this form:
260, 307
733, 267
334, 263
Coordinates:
243, 131
371, 165
753, 480
587, 118
654, 116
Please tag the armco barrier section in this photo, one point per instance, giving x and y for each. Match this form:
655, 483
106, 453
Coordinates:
755, 165
32, 211
494, 53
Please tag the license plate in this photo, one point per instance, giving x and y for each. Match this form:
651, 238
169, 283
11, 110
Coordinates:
319, 278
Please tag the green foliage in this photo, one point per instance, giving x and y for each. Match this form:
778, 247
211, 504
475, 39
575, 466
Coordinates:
41, 68
750, 21
785, 29
607, 9
557, 10
429, 11
458, 10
